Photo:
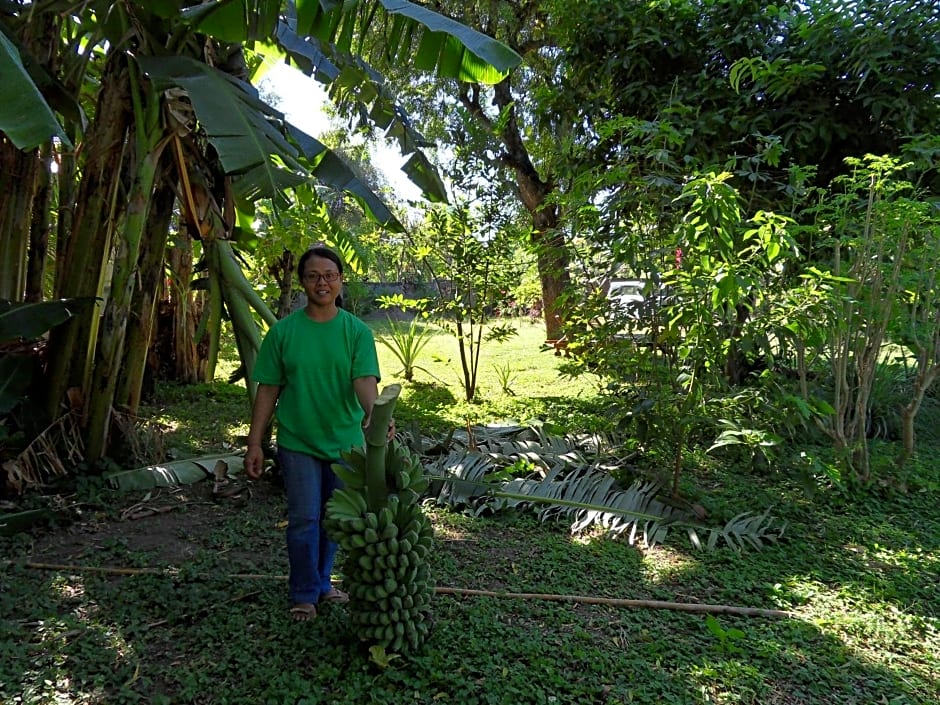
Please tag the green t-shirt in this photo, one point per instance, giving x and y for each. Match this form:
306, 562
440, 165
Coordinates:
318, 412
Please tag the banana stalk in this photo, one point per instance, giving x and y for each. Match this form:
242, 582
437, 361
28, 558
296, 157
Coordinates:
376, 447
377, 520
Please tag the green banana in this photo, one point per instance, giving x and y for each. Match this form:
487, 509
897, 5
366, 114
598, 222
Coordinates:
349, 501
390, 532
403, 480
357, 541
386, 519
393, 503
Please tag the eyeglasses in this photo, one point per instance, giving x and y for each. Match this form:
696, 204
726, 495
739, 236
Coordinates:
317, 276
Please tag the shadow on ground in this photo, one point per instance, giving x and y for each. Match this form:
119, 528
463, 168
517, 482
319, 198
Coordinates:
196, 613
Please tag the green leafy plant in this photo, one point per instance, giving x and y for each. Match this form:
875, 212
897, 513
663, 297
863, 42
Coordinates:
727, 638
885, 256
759, 443
406, 343
472, 272
506, 377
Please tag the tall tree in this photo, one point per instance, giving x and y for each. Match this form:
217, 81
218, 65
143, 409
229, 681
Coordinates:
495, 135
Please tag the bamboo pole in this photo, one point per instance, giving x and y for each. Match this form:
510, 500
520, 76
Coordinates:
621, 602
700, 608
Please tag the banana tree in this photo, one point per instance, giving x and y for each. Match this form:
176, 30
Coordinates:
151, 50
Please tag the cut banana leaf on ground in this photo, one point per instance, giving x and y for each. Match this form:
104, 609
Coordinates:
11, 524
178, 472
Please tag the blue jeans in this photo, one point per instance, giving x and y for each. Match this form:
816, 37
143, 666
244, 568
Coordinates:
309, 483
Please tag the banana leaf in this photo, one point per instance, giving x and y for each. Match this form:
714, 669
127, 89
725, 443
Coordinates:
574, 483
29, 321
173, 474
11, 524
25, 116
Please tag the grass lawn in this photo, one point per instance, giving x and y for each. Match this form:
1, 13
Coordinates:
197, 612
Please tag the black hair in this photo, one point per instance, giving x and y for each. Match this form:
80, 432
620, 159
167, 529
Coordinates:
318, 251
326, 253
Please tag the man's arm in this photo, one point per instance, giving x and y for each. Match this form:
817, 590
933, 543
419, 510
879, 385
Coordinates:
261, 413
367, 390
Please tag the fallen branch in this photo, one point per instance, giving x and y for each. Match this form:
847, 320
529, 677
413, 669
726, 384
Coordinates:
620, 602
579, 599
110, 570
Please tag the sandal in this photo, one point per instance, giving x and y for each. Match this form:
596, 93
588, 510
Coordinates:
335, 595
303, 612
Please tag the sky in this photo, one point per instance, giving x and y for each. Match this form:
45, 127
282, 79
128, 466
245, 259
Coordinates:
302, 99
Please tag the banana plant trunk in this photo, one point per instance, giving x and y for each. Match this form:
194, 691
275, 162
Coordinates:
147, 148
39, 227
83, 251
146, 293
18, 173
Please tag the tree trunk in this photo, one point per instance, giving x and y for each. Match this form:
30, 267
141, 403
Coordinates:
282, 269
177, 345
145, 156
17, 185
39, 226
85, 250
926, 376
43, 40
147, 291
549, 241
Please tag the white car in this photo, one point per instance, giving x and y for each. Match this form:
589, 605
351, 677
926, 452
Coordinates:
627, 294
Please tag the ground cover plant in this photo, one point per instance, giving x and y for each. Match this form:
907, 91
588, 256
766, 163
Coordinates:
177, 595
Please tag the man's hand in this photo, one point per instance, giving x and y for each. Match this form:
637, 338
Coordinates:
254, 462
391, 428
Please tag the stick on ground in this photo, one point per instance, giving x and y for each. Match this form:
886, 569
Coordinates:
466, 592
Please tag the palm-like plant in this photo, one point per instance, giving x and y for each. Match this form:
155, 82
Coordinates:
406, 344
573, 482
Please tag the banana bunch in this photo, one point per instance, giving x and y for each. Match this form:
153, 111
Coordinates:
385, 551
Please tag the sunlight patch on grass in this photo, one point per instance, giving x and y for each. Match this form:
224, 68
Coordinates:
665, 563
449, 533
69, 589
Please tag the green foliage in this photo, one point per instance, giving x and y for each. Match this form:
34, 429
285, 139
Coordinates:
859, 588
21, 324
506, 378
877, 226
761, 71
727, 638
406, 343
26, 118
857, 572
29, 321
472, 270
